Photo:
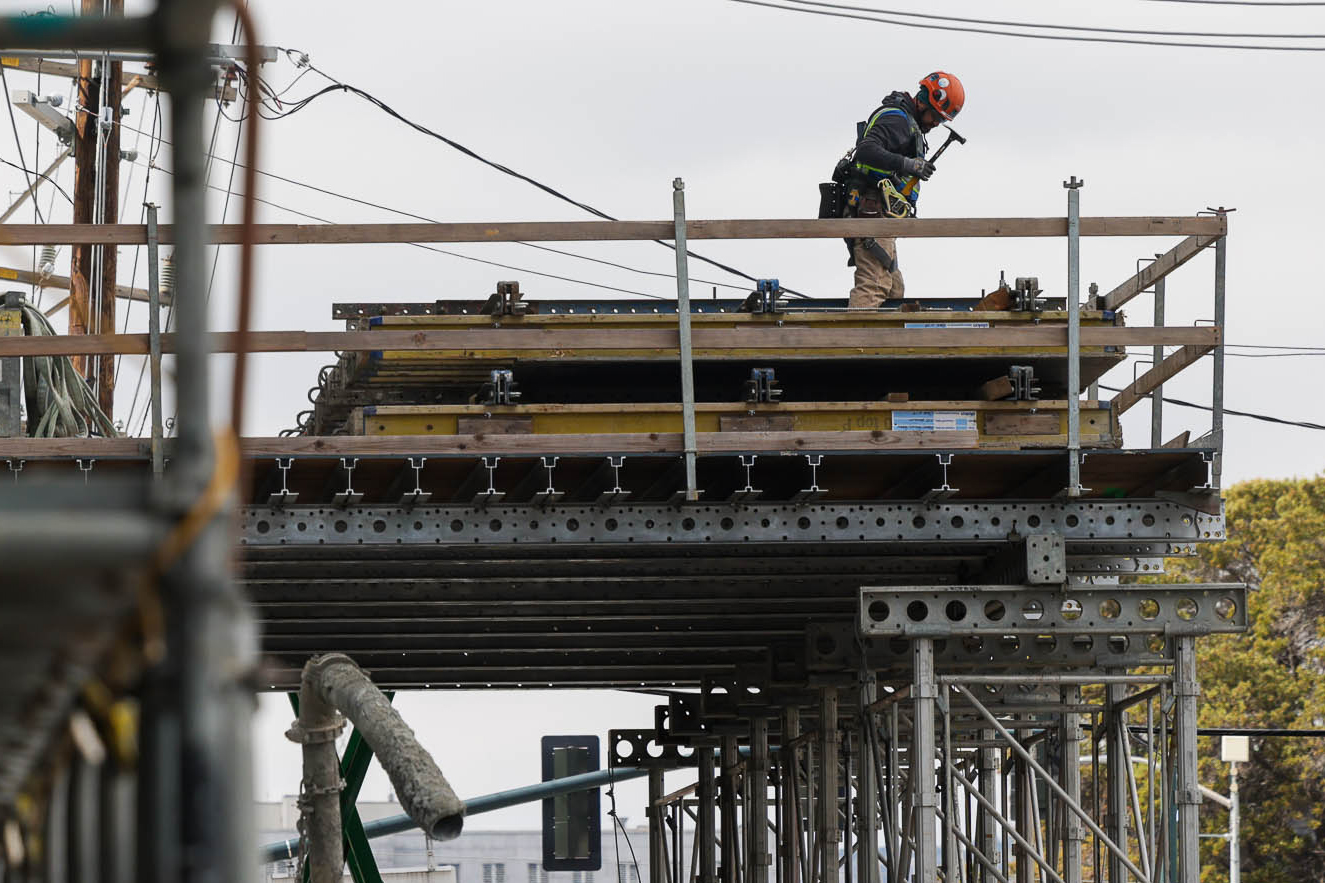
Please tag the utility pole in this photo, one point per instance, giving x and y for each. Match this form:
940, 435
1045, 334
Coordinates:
1234, 750
92, 271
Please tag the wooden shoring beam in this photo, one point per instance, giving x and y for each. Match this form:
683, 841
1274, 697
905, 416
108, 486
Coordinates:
61, 283
475, 343
515, 445
63, 69
1151, 273
1141, 387
572, 231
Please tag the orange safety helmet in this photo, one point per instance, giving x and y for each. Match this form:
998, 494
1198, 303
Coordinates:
944, 93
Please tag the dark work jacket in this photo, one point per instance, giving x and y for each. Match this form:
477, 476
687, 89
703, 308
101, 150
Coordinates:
890, 136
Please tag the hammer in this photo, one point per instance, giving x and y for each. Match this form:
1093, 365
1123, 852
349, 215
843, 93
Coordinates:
952, 136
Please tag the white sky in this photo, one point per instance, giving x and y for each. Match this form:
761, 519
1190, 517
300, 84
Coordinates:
609, 101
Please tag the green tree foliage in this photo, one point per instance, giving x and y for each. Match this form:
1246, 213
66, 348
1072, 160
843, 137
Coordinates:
1272, 676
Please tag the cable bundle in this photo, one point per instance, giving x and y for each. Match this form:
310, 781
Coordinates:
60, 403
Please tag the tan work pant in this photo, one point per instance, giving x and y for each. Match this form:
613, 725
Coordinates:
875, 285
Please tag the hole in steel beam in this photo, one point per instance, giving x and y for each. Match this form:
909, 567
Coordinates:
994, 610
1187, 609
879, 611
917, 611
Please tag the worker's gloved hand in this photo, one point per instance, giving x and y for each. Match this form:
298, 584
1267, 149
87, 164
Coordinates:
919, 167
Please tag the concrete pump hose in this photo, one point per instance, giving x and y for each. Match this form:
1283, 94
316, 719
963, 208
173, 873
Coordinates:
423, 791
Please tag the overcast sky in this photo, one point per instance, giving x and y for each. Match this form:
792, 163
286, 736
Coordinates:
609, 101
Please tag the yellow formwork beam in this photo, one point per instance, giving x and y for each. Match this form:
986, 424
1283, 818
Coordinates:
1001, 424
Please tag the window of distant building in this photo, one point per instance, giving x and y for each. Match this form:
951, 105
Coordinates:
494, 872
536, 873
627, 872
582, 877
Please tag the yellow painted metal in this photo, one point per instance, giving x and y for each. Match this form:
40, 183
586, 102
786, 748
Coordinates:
1098, 427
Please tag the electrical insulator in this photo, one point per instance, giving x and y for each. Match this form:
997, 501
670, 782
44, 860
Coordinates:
46, 265
166, 283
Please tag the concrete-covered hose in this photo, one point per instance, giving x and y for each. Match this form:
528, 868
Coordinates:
423, 791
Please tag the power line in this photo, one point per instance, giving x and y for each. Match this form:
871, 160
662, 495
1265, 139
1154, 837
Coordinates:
9, 104
1243, 2
40, 175
551, 191
1026, 24
454, 254
1001, 33
407, 214
1263, 417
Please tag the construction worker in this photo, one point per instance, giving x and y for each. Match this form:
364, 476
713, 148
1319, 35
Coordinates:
883, 175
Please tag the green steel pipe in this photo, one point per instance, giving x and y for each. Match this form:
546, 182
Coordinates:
288, 849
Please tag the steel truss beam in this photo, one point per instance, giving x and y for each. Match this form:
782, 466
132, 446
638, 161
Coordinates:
1091, 522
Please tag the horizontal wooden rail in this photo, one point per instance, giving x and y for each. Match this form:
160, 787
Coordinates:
572, 231
515, 445
474, 342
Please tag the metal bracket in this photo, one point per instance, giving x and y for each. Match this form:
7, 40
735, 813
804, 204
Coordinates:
417, 496
766, 298
491, 495
349, 496
762, 387
16, 469
616, 494
942, 492
1024, 383
635, 748
506, 301
1046, 559
1026, 295
501, 388
86, 470
813, 492
550, 495
285, 497
748, 492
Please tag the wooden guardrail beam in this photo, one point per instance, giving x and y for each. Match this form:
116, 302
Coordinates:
473, 342
573, 231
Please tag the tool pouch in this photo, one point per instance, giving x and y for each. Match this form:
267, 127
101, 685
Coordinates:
830, 199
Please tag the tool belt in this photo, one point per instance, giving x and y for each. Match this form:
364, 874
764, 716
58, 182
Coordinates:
870, 205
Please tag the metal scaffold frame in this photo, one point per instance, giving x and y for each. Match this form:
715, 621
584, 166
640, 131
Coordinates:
899, 683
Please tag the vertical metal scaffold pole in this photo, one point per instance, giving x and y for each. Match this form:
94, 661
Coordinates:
1189, 794
789, 807
1157, 356
867, 836
657, 831
1119, 756
826, 821
1073, 835
924, 690
1073, 335
683, 326
756, 813
211, 658
730, 758
991, 838
707, 872
154, 341
1217, 392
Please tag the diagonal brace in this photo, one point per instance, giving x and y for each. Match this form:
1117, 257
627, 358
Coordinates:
1141, 387
1163, 265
